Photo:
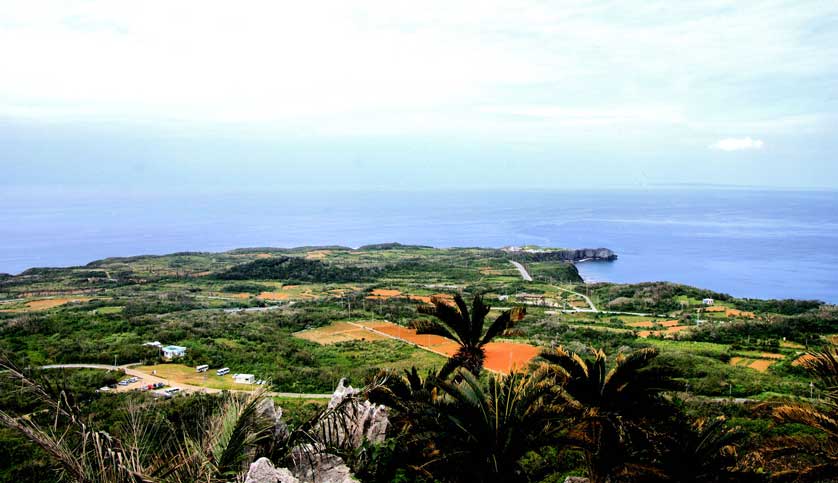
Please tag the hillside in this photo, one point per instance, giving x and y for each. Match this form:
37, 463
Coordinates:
304, 318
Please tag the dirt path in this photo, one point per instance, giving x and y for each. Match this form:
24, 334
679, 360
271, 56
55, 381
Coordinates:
146, 378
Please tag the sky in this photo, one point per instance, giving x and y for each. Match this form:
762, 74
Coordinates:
404, 94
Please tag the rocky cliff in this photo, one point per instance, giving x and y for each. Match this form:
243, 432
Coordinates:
569, 255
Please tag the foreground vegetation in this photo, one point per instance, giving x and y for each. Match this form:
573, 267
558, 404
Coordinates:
654, 385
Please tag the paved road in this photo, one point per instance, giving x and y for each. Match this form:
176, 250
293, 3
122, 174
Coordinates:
146, 378
526, 276
588, 300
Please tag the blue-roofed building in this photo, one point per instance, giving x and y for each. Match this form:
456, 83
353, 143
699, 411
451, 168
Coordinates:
173, 351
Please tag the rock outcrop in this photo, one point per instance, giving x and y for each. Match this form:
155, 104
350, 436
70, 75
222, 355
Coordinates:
310, 467
355, 422
269, 410
313, 465
546, 255
263, 471
350, 424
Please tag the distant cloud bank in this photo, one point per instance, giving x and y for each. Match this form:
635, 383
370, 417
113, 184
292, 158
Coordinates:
737, 144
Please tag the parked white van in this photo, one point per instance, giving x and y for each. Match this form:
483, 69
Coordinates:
202, 368
222, 371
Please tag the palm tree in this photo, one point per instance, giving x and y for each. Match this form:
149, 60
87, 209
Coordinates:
824, 366
610, 406
418, 428
465, 327
497, 424
462, 429
704, 450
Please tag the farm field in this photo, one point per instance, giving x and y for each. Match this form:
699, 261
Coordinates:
293, 315
305, 319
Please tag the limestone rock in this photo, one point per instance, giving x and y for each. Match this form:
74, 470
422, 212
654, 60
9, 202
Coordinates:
576, 479
312, 465
263, 471
269, 410
358, 421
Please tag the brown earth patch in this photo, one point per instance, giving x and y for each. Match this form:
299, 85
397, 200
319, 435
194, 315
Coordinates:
273, 296
670, 323
772, 355
500, 356
383, 294
804, 358
426, 299
739, 313
338, 332
45, 304
318, 254
761, 365
507, 357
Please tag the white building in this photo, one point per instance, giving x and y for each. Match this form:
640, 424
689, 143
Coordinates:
173, 351
244, 378
707, 302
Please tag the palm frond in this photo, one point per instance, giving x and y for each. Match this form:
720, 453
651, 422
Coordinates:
431, 327
479, 310
505, 321
627, 368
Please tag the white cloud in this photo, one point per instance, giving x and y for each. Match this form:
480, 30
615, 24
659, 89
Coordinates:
430, 64
737, 144
593, 116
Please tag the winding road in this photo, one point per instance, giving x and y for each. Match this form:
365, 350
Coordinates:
526, 276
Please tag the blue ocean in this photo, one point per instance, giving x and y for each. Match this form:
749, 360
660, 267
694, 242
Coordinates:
748, 243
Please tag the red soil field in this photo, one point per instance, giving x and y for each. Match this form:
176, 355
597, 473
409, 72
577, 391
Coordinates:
383, 294
500, 356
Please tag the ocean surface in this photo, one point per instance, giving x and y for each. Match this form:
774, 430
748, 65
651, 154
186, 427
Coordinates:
766, 244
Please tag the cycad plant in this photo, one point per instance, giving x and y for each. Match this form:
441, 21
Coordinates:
822, 452
467, 429
704, 450
465, 327
611, 406
498, 422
